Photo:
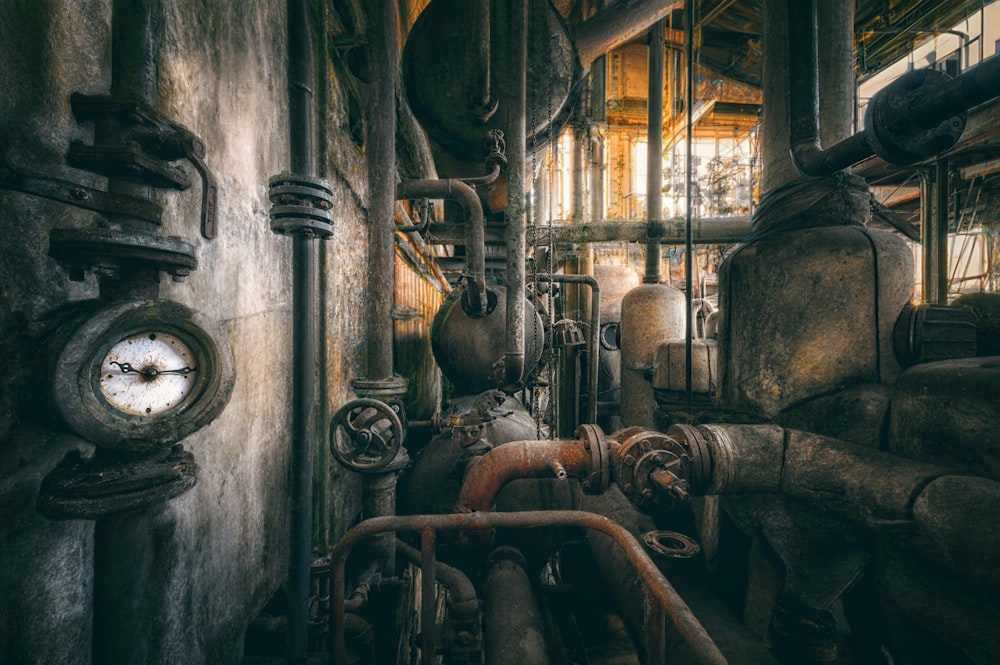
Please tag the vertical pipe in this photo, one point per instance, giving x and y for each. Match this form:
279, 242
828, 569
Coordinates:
688, 192
480, 99
512, 119
929, 284
428, 598
381, 148
940, 231
598, 114
654, 154
305, 345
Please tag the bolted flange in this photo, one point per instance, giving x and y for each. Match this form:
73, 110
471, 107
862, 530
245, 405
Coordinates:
300, 205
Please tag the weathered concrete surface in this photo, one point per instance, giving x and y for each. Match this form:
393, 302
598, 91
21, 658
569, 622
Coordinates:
219, 550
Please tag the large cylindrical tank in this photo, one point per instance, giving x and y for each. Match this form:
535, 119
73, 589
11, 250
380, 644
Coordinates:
806, 312
651, 315
468, 347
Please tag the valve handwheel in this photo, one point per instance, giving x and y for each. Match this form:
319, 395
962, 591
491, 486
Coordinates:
365, 434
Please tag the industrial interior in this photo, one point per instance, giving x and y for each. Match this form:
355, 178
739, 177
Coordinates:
550, 332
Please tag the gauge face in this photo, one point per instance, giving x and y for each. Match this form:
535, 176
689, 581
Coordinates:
139, 375
148, 373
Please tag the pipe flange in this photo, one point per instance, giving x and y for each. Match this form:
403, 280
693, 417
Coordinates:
300, 205
599, 478
671, 544
722, 451
697, 448
394, 386
898, 137
652, 467
89, 488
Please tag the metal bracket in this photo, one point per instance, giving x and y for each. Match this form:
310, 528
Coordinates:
149, 142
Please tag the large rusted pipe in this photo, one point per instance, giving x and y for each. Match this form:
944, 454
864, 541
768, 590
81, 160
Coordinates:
558, 458
617, 24
512, 618
475, 230
661, 593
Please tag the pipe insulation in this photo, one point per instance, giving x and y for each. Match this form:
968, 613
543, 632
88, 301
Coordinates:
953, 516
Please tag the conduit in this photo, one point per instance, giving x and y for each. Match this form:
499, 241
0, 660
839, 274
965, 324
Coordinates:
475, 230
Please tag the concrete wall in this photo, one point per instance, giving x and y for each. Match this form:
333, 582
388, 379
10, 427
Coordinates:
217, 552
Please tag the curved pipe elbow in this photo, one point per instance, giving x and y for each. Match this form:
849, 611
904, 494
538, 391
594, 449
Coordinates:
475, 243
519, 459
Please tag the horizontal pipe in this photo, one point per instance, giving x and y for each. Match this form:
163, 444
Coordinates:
475, 229
659, 588
706, 231
974, 87
618, 24
593, 335
519, 459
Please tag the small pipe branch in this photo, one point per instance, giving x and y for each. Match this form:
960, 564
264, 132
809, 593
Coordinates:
475, 223
593, 335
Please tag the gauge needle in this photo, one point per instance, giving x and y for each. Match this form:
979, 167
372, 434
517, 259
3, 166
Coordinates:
150, 372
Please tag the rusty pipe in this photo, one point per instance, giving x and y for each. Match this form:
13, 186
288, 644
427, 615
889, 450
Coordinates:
475, 230
661, 592
462, 596
654, 154
617, 24
510, 610
593, 334
519, 459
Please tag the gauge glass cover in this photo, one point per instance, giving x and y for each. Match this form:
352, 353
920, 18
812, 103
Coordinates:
139, 374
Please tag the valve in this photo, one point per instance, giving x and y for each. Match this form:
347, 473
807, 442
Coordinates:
652, 467
366, 434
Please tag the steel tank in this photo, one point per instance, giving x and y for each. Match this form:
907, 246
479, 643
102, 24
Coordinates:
651, 315
467, 347
807, 312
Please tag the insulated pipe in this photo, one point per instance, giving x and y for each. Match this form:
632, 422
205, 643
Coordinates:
618, 24
661, 593
514, 94
926, 111
514, 631
593, 335
654, 154
559, 458
475, 230
306, 348
380, 146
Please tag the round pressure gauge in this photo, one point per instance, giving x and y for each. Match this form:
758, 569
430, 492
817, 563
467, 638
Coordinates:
140, 376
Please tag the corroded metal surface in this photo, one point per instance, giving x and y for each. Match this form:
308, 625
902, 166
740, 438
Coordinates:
660, 592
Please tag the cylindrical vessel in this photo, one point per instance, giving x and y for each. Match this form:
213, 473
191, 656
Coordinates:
651, 314
808, 312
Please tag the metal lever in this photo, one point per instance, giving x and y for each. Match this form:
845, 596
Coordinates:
194, 150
